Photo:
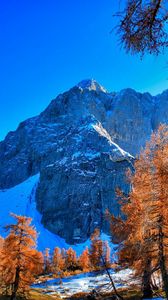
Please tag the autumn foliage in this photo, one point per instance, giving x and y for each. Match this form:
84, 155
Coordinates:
144, 233
58, 261
20, 261
142, 27
96, 249
66, 262
47, 261
99, 252
84, 260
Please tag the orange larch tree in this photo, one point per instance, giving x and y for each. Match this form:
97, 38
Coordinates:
106, 254
96, 250
47, 261
71, 260
145, 245
58, 262
143, 26
84, 260
20, 261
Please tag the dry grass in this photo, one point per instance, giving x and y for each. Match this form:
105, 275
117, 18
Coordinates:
37, 295
34, 295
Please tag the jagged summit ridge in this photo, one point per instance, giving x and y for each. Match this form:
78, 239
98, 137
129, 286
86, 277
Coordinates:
91, 85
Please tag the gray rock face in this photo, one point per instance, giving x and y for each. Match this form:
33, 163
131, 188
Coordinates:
129, 121
77, 146
75, 191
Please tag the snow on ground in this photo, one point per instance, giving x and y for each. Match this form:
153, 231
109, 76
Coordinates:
86, 282
21, 200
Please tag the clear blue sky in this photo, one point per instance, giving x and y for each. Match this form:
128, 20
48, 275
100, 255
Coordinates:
49, 46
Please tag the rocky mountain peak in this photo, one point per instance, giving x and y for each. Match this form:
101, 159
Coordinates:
91, 85
81, 144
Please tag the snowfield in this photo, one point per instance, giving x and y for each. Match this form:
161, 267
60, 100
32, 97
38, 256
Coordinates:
86, 282
21, 200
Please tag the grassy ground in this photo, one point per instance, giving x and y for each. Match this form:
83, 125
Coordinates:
35, 295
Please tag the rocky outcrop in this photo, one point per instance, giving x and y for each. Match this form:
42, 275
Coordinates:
77, 146
129, 121
74, 192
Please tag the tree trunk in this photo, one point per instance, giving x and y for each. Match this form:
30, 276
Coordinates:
146, 281
118, 296
15, 284
164, 275
162, 261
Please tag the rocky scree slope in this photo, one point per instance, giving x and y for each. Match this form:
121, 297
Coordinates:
82, 145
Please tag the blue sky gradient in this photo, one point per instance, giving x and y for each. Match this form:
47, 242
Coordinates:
49, 46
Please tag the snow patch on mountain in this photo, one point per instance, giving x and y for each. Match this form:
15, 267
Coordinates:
20, 200
120, 153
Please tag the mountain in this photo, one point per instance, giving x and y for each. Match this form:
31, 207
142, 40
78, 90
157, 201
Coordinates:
82, 145
21, 200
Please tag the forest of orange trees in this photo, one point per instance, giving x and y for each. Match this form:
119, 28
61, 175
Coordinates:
21, 263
